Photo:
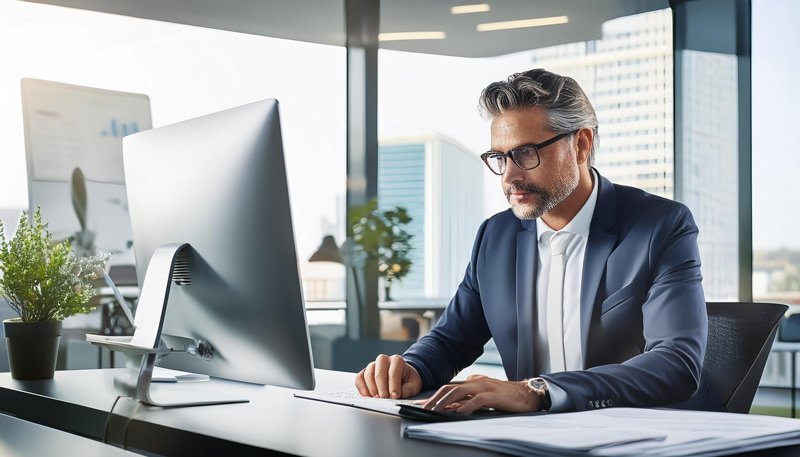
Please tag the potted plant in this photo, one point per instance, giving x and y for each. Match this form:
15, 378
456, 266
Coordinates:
382, 240
43, 282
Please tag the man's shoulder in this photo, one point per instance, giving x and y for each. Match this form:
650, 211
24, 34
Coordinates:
503, 217
636, 201
499, 227
635, 206
504, 221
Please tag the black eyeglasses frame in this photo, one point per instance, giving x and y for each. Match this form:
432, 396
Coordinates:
493, 155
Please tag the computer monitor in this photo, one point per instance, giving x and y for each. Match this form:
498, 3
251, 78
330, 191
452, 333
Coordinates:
69, 128
218, 183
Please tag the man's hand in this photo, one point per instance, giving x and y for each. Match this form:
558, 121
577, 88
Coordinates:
480, 391
388, 377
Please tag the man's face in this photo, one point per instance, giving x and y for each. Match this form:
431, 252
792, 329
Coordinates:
533, 193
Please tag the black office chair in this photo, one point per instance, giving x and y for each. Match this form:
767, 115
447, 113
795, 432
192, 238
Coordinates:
740, 336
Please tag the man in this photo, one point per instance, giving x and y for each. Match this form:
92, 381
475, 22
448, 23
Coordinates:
591, 290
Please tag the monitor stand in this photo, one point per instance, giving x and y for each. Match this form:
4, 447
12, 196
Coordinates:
144, 347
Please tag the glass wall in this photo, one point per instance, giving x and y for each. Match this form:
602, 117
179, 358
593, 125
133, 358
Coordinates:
428, 107
776, 155
187, 72
710, 165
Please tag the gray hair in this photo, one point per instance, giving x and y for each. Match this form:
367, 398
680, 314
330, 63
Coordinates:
567, 106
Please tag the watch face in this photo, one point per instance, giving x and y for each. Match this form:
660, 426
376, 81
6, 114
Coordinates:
537, 384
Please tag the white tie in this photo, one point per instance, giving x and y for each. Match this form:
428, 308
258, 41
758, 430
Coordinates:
555, 302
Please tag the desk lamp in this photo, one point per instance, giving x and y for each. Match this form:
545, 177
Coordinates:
328, 251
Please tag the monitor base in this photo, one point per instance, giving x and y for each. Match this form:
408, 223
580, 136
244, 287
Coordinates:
144, 346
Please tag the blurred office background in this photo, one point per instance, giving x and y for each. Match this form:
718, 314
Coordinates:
704, 118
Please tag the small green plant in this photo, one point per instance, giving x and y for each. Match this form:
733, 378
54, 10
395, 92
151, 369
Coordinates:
44, 281
381, 237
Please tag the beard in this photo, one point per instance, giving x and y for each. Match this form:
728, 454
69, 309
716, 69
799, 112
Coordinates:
547, 199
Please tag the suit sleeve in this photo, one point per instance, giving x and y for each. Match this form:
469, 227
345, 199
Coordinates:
675, 329
459, 336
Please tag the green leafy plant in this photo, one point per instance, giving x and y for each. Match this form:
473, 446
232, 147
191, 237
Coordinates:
381, 237
44, 281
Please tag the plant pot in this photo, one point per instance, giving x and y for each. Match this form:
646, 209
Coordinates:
32, 348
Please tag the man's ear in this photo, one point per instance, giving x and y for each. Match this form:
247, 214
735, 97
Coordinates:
584, 141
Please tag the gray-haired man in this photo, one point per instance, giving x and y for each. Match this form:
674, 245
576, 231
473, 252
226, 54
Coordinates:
591, 290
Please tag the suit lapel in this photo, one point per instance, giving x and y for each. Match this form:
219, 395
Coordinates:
602, 239
527, 255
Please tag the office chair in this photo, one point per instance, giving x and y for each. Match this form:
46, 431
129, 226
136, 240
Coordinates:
740, 336
789, 329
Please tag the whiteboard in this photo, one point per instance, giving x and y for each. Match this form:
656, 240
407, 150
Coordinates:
69, 126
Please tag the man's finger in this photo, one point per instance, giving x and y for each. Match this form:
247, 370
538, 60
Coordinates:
458, 393
361, 385
397, 368
474, 377
369, 378
475, 403
437, 397
382, 375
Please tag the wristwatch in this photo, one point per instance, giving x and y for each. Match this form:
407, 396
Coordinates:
539, 387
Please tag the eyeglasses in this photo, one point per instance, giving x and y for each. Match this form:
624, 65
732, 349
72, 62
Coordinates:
526, 156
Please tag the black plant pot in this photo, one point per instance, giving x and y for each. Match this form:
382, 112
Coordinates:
32, 348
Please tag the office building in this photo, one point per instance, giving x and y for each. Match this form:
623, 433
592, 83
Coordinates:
628, 75
438, 181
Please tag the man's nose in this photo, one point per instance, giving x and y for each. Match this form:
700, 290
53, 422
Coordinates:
512, 172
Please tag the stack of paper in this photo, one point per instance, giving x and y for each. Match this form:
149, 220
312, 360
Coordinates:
618, 432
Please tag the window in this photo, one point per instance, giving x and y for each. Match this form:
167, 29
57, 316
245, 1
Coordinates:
430, 102
776, 161
188, 72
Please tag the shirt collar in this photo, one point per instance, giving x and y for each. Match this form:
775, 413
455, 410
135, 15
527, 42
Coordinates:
582, 221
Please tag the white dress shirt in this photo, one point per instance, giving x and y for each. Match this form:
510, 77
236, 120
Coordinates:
578, 228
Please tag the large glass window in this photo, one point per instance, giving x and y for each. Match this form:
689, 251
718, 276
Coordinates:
187, 72
428, 112
776, 157
710, 165
776, 163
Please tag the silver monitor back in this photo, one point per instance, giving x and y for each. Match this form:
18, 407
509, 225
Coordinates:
218, 182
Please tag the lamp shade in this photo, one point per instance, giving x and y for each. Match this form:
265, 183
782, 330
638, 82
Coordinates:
328, 251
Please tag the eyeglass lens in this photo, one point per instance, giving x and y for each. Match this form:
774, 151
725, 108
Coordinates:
525, 157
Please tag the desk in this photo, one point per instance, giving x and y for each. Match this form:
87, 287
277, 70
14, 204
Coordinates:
78, 401
273, 423
20, 438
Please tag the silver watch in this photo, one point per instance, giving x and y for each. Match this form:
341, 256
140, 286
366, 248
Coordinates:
539, 387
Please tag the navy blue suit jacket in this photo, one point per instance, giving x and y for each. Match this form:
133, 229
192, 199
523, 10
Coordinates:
642, 313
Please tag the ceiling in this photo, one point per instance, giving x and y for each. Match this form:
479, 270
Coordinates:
322, 21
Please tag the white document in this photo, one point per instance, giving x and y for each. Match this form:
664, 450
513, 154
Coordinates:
618, 432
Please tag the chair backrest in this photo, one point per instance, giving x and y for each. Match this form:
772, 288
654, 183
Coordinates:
789, 329
740, 336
